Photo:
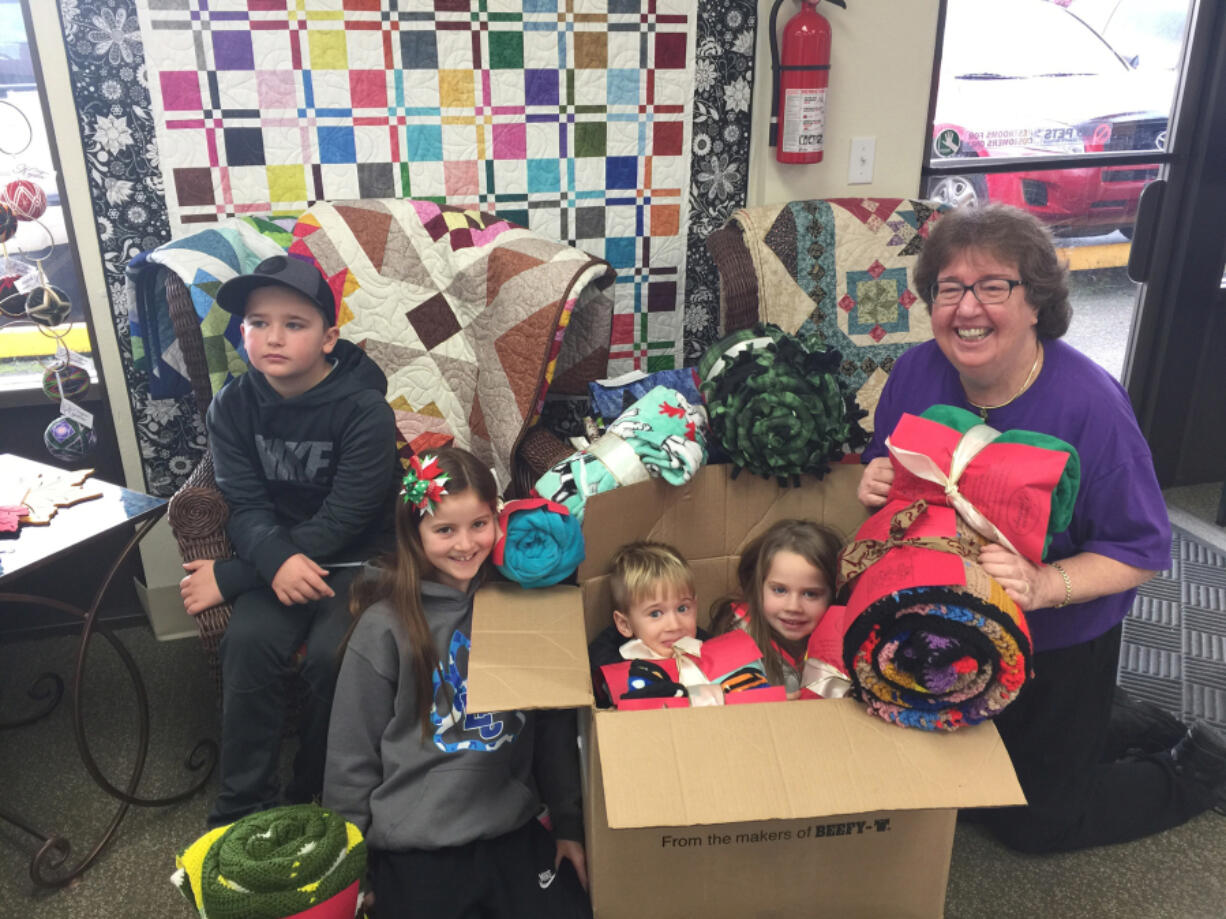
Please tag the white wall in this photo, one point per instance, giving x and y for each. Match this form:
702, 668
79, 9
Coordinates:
880, 74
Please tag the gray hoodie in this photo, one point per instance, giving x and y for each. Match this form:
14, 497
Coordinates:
473, 778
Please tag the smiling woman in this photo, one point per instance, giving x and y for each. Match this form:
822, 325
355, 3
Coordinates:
999, 300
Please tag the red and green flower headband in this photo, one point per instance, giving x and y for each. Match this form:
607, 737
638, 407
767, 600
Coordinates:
424, 484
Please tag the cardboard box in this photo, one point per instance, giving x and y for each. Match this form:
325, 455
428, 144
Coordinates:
789, 808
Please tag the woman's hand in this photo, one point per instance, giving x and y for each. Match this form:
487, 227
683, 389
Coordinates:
572, 851
875, 482
1023, 582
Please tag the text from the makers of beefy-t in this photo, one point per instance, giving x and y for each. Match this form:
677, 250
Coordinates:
816, 831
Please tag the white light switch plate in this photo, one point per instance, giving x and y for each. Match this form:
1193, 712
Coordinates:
860, 165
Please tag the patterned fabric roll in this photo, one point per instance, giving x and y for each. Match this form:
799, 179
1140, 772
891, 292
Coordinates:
302, 860
660, 436
938, 658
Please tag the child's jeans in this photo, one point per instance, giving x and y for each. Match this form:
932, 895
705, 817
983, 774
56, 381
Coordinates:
258, 651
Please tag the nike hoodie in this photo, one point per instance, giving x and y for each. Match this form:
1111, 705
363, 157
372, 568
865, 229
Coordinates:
316, 473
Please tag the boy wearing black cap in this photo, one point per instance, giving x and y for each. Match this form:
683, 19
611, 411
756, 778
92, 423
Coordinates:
304, 450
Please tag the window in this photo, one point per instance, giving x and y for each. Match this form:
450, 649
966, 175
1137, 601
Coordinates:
40, 249
1061, 108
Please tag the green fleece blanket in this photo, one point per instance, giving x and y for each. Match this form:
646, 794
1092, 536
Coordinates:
273, 864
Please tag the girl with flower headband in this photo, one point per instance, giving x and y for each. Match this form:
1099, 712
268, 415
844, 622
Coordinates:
447, 800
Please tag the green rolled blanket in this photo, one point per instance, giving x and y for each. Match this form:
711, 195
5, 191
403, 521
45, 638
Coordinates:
777, 404
302, 860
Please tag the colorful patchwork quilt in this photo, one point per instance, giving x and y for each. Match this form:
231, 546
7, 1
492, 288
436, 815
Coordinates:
840, 267
470, 317
569, 118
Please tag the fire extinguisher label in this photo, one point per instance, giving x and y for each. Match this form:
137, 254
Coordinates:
804, 120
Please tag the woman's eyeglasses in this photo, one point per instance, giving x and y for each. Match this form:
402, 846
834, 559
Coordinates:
988, 291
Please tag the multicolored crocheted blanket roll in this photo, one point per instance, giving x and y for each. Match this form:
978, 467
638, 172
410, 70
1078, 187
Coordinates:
939, 658
301, 861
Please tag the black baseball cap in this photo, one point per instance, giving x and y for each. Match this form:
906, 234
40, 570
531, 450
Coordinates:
280, 271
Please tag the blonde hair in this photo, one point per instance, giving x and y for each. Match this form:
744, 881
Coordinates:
817, 544
639, 566
403, 571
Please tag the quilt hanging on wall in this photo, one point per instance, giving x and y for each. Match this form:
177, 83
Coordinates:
113, 88
565, 116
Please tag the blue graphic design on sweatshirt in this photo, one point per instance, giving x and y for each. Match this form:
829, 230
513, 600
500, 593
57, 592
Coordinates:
454, 729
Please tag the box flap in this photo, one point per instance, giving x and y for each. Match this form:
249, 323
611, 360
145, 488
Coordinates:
713, 516
682, 767
528, 649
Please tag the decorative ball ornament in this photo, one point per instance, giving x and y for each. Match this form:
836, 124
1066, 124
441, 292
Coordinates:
26, 199
48, 305
10, 297
8, 222
69, 441
65, 381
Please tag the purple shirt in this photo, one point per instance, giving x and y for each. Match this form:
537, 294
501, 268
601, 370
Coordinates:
1119, 510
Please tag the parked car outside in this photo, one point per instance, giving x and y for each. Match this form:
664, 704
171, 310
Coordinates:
1025, 78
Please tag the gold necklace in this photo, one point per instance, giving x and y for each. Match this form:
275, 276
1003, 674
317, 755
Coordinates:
984, 409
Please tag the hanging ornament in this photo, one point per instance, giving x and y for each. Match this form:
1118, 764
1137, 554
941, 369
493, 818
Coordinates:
48, 305
9, 295
63, 380
26, 199
68, 440
8, 222
13, 286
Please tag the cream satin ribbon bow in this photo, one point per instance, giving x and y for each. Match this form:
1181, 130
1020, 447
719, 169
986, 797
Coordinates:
922, 466
825, 680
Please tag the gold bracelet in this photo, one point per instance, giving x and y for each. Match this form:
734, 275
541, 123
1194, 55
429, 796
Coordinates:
1068, 585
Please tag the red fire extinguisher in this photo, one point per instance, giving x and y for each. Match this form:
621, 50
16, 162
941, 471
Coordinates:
801, 78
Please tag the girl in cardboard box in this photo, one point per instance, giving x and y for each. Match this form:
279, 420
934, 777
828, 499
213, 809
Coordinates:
786, 579
654, 655
448, 800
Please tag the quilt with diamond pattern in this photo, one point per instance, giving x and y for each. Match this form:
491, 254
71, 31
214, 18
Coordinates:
841, 267
470, 317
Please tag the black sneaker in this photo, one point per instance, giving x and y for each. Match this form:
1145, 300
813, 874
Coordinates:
1139, 727
1201, 757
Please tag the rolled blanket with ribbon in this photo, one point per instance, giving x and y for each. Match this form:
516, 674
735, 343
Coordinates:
660, 436
1064, 493
541, 543
777, 403
932, 640
302, 861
